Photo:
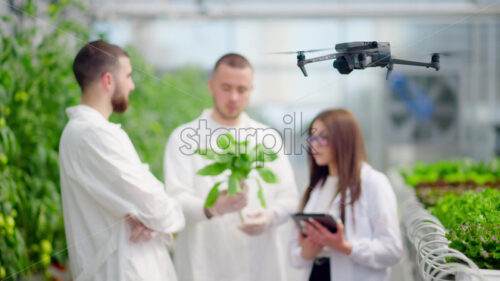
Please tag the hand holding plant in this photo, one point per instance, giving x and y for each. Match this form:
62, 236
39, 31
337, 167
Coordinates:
226, 203
260, 220
240, 160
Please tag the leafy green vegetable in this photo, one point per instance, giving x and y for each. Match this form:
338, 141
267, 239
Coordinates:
225, 141
473, 221
267, 175
433, 181
465, 196
234, 156
454, 173
213, 194
213, 169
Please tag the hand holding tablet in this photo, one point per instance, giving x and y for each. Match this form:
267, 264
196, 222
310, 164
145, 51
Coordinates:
324, 219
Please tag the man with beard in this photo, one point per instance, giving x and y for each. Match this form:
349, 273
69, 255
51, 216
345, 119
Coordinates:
117, 215
216, 245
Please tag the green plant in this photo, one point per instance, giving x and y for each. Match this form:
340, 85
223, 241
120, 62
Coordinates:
240, 160
36, 86
473, 223
433, 181
454, 173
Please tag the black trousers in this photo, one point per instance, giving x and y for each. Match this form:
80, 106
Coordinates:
320, 270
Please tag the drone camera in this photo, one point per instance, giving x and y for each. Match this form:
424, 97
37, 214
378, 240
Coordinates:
342, 65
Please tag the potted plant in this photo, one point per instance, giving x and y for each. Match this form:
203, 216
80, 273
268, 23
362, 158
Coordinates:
240, 160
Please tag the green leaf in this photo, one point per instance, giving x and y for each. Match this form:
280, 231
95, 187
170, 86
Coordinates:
213, 194
242, 161
231, 138
243, 165
262, 154
7, 18
242, 147
213, 169
225, 141
260, 194
267, 175
225, 158
206, 153
254, 153
269, 155
234, 184
245, 157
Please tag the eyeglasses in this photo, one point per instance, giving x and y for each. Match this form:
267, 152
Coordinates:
321, 140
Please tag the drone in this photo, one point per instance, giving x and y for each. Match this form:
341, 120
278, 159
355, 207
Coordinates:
360, 55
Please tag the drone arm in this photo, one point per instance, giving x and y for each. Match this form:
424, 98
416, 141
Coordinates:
322, 58
434, 65
301, 61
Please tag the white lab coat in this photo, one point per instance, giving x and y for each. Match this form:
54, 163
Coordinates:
215, 250
375, 236
102, 180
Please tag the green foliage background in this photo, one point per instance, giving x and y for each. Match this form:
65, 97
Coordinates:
36, 85
465, 196
457, 172
159, 104
473, 221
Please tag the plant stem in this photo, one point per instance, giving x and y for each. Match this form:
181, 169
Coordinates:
242, 219
243, 187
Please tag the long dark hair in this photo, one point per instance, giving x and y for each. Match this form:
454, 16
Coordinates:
347, 145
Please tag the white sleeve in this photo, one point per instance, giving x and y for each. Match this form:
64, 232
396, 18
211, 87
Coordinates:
123, 185
285, 199
179, 173
384, 248
294, 253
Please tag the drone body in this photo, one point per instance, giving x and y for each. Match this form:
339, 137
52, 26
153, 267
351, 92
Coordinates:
360, 55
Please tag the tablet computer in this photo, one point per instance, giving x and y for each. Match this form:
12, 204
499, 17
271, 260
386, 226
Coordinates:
324, 219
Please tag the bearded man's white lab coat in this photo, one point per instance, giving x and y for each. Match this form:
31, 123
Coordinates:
215, 249
103, 180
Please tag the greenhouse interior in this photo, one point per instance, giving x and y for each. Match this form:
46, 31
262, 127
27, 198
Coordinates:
389, 109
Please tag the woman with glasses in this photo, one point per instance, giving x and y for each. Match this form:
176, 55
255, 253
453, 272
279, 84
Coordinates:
367, 241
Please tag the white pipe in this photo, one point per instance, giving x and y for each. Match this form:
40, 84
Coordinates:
457, 268
437, 262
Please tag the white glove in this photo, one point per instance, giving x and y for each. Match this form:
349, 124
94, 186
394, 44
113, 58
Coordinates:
140, 233
258, 223
227, 204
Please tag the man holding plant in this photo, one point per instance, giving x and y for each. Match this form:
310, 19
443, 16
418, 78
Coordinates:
231, 215
115, 211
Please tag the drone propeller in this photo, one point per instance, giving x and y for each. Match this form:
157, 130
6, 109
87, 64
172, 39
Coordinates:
443, 54
450, 53
304, 51
447, 54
